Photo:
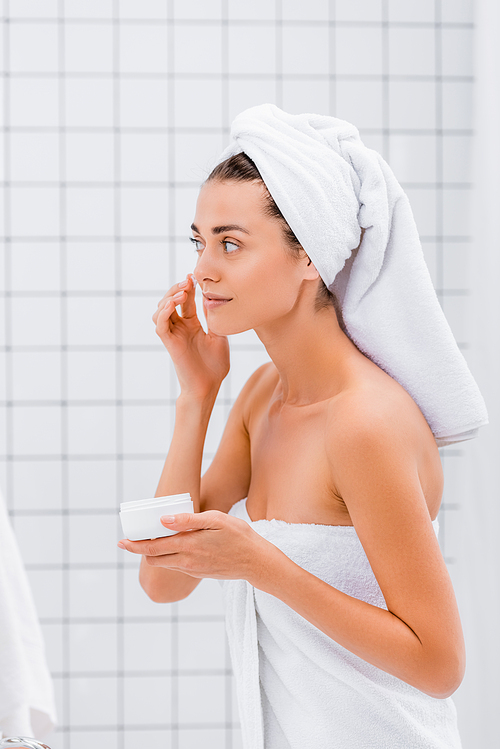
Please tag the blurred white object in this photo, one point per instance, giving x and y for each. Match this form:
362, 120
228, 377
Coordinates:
27, 705
22, 743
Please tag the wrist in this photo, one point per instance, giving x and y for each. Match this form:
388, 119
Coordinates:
197, 402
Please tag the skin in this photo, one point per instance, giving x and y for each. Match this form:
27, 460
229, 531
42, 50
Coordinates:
318, 435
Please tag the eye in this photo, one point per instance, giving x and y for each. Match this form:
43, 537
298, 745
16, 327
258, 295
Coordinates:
198, 246
227, 243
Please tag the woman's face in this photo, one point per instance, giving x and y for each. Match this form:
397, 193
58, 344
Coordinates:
245, 272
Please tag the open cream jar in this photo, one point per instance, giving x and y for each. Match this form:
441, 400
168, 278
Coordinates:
141, 518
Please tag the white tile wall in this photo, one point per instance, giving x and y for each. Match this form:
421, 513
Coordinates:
102, 168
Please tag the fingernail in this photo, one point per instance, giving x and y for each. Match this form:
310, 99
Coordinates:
193, 279
182, 284
178, 295
122, 546
168, 519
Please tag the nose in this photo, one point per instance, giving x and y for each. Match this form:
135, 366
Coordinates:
207, 267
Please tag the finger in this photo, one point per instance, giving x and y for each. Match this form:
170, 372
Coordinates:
151, 547
184, 521
189, 305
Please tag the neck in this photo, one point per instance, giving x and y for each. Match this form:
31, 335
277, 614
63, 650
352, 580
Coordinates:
314, 358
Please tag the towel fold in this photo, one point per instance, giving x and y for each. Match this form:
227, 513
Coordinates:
27, 705
297, 688
329, 186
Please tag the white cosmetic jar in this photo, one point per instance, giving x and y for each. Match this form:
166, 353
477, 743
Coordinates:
141, 518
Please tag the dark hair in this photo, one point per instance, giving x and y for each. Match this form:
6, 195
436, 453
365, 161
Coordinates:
241, 168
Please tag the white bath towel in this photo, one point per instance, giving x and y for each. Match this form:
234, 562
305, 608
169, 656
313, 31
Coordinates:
297, 688
27, 705
329, 185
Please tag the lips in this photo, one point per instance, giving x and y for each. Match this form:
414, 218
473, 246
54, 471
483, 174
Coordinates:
212, 301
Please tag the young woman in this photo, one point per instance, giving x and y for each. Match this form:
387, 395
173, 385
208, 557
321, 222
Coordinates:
318, 509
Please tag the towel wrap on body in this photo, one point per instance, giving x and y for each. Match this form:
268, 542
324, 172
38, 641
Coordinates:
328, 185
299, 689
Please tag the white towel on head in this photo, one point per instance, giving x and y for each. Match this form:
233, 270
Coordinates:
329, 185
27, 703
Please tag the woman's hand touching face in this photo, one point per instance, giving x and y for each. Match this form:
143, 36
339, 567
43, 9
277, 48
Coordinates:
201, 360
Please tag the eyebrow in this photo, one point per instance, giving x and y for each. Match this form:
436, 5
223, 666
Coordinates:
222, 229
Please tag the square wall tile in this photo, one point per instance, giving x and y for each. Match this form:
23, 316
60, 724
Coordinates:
192, 738
93, 539
457, 212
39, 538
36, 430
89, 212
457, 103
147, 429
144, 211
148, 9
135, 739
92, 483
423, 205
413, 157
144, 157
296, 10
201, 645
457, 11
93, 647
147, 700
89, 157
89, 102
88, 8
93, 701
34, 102
141, 477
360, 102
146, 267
457, 51
91, 430
246, 93
144, 49
252, 49
93, 595
90, 266
147, 646
91, 375
146, 374
36, 375
198, 49
88, 47
201, 699
411, 10
306, 96
348, 42
33, 8
412, 104
305, 50
197, 9
258, 10
37, 484
34, 211
47, 589
90, 321
198, 103
138, 328
144, 103
457, 166
412, 51
457, 264
196, 154
34, 157
35, 266
95, 739
358, 10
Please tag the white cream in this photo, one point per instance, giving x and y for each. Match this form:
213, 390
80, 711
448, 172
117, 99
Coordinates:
141, 518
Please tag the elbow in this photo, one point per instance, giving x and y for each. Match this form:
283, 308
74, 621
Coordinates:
445, 679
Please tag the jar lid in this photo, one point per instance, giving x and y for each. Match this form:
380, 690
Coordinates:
141, 504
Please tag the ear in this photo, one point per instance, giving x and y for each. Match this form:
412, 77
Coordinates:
310, 272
